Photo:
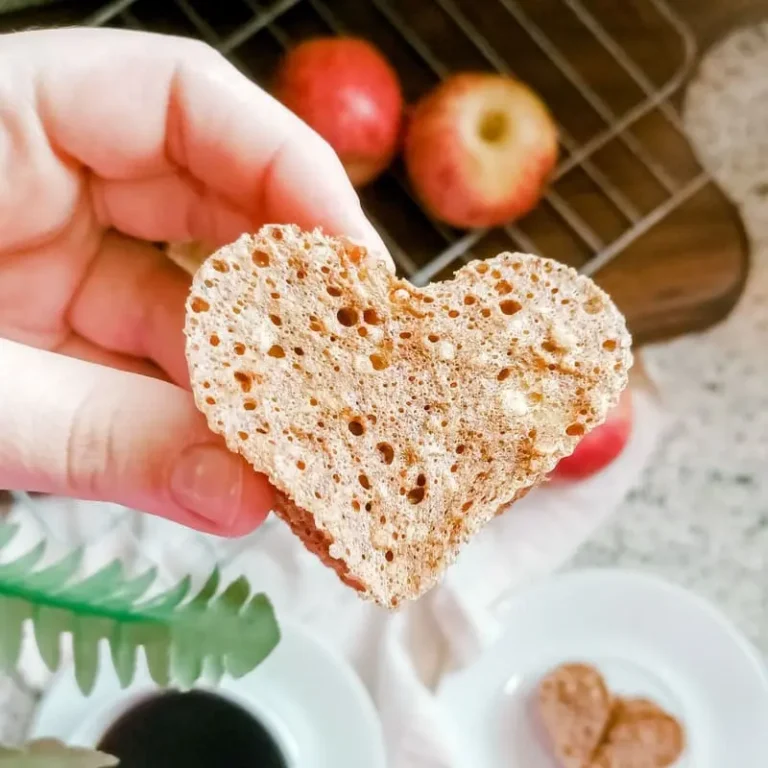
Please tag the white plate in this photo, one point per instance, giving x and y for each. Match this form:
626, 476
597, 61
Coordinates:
648, 637
309, 698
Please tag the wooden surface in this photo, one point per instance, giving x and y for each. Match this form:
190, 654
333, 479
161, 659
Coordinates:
682, 275
710, 20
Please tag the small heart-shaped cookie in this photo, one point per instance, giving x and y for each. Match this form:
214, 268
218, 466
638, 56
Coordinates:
395, 421
575, 708
639, 735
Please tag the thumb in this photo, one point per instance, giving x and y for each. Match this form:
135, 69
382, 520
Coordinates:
77, 429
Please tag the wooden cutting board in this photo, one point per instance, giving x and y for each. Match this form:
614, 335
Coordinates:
687, 272
683, 274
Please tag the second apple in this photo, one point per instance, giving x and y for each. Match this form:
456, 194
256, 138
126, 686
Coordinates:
479, 150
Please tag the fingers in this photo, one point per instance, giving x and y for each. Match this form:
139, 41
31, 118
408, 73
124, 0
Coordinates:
131, 301
171, 208
82, 349
135, 106
82, 430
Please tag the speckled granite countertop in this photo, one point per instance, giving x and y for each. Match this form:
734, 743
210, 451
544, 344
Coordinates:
700, 513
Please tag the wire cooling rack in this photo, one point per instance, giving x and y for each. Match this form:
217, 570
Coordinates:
607, 94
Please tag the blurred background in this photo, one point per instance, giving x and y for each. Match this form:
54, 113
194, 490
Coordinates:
658, 191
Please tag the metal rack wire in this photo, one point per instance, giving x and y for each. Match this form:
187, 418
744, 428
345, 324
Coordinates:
253, 35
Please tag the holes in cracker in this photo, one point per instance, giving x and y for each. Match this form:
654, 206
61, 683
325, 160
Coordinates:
460, 449
503, 288
198, 304
239, 348
210, 400
574, 430
481, 268
300, 465
371, 317
421, 480
469, 300
333, 291
347, 316
276, 351
364, 481
454, 313
244, 380
260, 258
549, 346
510, 306
315, 324
593, 306
242, 435
416, 495
389, 556
214, 340
610, 345
405, 335
220, 266
362, 331
379, 362
356, 427
276, 320
277, 234
503, 374
434, 338
466, 506
387, 452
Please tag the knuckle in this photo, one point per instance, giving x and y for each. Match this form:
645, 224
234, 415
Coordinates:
195, 48
325, 153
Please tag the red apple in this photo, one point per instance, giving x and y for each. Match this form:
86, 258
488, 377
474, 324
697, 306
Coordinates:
479, 149
598, 448
348, 92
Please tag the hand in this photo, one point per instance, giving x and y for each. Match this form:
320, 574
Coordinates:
110, 140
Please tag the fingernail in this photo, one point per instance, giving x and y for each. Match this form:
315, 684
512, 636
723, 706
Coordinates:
208, 481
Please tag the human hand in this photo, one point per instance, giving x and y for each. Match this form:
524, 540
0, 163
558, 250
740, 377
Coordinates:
108, 140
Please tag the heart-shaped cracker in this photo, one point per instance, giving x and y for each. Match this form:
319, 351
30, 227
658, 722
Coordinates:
395, 421
575, 707
640, 735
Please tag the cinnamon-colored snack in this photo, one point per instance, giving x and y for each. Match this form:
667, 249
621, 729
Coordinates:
575, 707
640, 735
393, 420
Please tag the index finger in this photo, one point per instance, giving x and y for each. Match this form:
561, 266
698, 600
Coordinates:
132, 106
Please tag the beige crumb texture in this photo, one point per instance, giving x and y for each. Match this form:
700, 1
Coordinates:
396, 421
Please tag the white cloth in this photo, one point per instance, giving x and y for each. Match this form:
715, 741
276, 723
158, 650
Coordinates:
401, 657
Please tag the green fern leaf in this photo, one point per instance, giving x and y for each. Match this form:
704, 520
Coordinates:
51, 753
213, 631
